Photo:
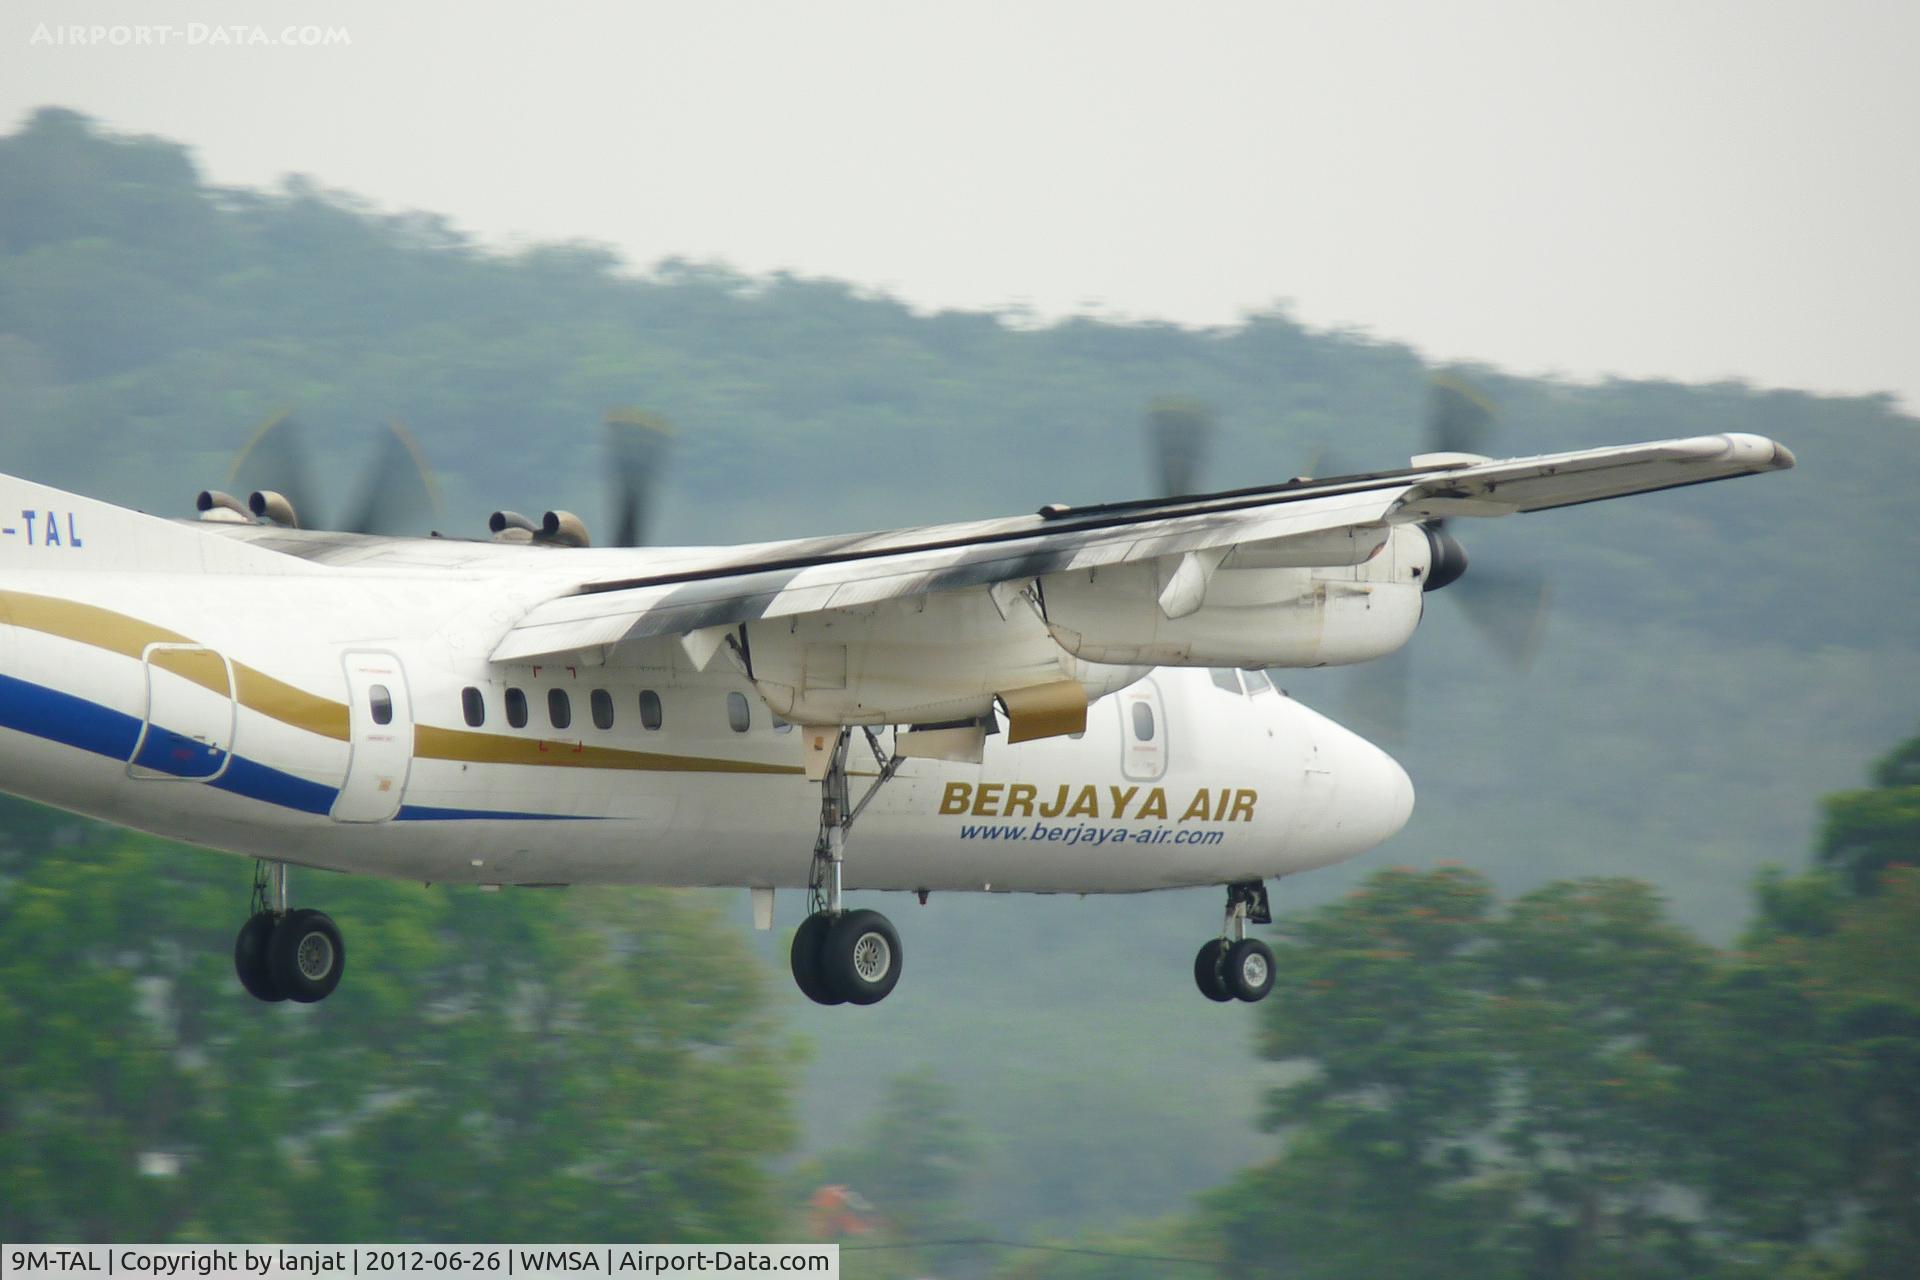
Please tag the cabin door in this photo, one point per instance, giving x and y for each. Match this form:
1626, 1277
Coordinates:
187, 735
381, 725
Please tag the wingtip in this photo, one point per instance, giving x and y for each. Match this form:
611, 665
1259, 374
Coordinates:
1756, 453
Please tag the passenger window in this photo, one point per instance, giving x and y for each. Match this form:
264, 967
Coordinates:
602, 703
1143, 722
739, 714
1257, 682
1226, 678
517, 708
473, 707
559, 708
649, 709
782, 726
382, 703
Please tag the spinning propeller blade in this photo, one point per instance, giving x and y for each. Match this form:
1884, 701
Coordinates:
637, 444
1377, 696
1179, 436
1505, 606
1459, 418
1508, 608
396, 492
275, 459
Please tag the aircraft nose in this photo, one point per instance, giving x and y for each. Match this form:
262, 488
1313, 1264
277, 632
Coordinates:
1373, 797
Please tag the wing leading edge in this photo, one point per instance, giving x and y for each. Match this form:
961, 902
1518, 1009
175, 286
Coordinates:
832, 573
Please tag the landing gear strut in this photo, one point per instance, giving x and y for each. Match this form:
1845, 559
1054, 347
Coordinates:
841, 956
1234, 966
283, 954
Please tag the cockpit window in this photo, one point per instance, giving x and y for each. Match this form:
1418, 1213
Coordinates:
1257, 682
1226, 678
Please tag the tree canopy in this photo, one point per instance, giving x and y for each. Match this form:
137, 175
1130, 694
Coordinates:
531, 1065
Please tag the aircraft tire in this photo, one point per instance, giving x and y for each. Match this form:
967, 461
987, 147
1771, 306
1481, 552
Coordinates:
1248, 970
861, 958
307, 956
250, 958
1208, 972
809, 940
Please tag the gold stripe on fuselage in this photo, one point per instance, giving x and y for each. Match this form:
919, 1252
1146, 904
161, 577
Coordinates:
277, 700
117, 633
430, 742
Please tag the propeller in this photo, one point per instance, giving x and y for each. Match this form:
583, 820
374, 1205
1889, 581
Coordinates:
1180, 434
637, 444
1459, 418
275, 469
1505, 606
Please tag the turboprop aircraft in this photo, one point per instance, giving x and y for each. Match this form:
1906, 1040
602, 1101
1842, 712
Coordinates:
1065, 702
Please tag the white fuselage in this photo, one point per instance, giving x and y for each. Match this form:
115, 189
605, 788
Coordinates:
238, 712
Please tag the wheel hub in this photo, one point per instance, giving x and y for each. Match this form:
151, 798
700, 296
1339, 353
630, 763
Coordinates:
314, 956
872, 957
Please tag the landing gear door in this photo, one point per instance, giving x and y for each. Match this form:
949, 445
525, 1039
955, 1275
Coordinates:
188, 732
1143, 731
381, 725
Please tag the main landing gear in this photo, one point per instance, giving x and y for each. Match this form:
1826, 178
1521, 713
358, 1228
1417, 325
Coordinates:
1234, 966
282, 954
841, 956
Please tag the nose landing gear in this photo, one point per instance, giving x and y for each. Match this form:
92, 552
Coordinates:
282, 954
841, 956
1234, 966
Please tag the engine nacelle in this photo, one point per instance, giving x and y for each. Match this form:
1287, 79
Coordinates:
1250, 613
930, 659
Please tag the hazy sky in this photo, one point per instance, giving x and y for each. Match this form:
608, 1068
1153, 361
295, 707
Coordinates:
1695, 190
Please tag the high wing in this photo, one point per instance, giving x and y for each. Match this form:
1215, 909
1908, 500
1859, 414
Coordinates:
1307, 517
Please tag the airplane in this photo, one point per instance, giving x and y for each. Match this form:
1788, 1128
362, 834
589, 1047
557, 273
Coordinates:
1072, 701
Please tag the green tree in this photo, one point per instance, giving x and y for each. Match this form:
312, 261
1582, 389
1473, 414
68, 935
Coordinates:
1867, 831
1847, 940
1590, 992
1570, 1086
912, 1162
1379, 1011
590, 1066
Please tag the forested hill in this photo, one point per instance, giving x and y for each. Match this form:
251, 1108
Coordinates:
1717, 658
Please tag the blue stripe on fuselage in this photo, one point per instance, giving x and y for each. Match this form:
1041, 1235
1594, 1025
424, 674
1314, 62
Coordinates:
76, 722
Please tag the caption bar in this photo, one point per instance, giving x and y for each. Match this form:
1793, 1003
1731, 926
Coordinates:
337, 1262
